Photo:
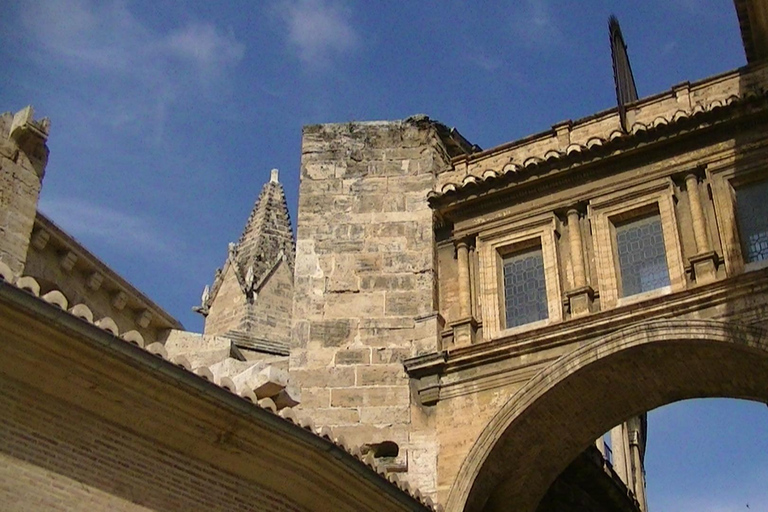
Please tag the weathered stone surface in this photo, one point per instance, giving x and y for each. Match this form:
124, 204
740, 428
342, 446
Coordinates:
356, 356
332, 377
253, 292
370, 397
380, 375
331, 333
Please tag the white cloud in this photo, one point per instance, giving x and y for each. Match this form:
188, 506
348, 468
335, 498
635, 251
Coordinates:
319, 30
533, 24
100, 224
483, 60
204, 46
139, 72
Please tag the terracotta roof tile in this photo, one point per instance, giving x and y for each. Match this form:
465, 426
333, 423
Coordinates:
80, 311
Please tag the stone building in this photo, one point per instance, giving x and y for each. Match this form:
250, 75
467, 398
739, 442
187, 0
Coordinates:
469, 324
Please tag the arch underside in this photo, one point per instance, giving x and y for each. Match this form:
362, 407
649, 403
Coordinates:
564, 408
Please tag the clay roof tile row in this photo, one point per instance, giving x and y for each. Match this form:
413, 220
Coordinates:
82, 312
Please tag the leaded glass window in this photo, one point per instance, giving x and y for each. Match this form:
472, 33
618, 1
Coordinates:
525, 291
642, 256
752, 211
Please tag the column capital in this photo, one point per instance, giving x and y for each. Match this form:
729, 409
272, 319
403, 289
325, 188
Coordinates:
579, 209
465, 241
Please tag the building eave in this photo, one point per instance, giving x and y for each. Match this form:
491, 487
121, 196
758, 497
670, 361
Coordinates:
51, 350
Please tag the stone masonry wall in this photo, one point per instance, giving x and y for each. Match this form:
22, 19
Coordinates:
23, 156
267, 316
365, 281
55, 456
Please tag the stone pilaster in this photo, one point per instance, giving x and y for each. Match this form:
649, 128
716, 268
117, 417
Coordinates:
704, 262
581, 296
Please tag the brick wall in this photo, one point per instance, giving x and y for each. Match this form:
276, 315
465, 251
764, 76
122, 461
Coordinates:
55, 456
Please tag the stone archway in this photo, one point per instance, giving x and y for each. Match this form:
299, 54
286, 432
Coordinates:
581, 395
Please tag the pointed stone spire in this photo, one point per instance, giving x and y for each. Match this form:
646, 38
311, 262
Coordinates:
252, 296
267, 232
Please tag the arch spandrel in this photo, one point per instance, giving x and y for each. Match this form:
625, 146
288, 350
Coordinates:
597, 386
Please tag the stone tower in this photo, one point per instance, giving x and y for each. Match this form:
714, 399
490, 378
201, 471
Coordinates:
251, 298
365, 281
23, 156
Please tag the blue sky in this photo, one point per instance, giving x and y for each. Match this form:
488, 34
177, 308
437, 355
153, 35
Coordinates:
167, 117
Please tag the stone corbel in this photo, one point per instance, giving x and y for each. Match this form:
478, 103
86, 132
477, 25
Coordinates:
119, 300
425, 373
144, 318
68, 261
40, 239
429, 389
94, 280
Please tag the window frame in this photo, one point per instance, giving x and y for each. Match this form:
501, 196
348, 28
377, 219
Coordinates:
650, 210
725, 178
493, 246
605, 211
534, 245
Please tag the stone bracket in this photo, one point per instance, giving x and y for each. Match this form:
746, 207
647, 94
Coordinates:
429, 389
580, 301
704, 267
464, 332
427, 385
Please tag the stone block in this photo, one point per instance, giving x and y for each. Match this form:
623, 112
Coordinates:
390, 355
230, 367
264, 382
313, 398
384, 415
408, 303
334, 416
381, 375
373, 396
310, 358
365, 185
390, 322
353, 356
354, 305
330, 333
287, 397
333, 377
388, 282
407, 261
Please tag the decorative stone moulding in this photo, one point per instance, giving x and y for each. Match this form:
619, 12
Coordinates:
575, 152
